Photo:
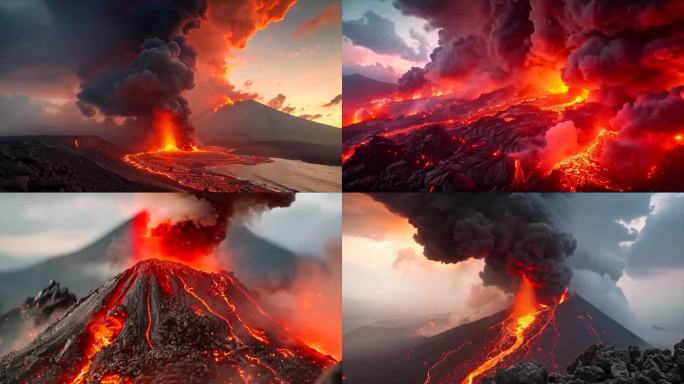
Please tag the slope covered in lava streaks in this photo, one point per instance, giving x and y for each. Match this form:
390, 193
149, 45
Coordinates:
163, 322
554, 337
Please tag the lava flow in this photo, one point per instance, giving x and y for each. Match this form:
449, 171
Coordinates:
524, 313
165, 322
174, 155
516, 87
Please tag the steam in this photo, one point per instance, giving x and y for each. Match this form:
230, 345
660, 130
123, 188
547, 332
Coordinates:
515, 234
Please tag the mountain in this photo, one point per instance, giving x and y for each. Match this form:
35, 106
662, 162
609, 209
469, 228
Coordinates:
556, 337
89, 267
33, 315
254, 128
163, 322
358, 90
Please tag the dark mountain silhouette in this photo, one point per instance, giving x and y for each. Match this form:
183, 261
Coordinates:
358, 90
251, 127
89, 267
163, 322
450, 356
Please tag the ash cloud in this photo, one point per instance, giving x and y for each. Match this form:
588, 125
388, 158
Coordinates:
515, 234
379, 34
201, 223
634, 45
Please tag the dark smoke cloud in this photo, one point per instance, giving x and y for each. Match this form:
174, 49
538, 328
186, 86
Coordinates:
207, 228
644, 126
379, 34
632, 44
515, 235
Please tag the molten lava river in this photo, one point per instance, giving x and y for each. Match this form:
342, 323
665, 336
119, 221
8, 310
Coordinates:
551, 139
528, 319
187, 165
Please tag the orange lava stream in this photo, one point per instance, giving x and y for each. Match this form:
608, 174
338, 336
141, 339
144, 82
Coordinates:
523, 316
105, 327
442, 360
206, 305
583, 168
148, 331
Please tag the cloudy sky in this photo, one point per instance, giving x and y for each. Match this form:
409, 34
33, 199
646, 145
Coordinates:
381, 43
629, 263
37, 226
53, 48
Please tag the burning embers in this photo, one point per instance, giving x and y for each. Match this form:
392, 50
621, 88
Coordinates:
619, 83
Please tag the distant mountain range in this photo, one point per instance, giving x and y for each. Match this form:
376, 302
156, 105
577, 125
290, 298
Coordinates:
91, 266
254, 128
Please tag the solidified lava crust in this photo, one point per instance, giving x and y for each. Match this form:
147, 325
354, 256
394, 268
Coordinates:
162, 322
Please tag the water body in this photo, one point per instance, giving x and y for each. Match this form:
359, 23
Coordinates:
286, 175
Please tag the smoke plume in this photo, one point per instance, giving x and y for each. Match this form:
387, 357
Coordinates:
188, 229
515, 234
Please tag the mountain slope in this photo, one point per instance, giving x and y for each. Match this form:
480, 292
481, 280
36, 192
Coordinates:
558, 337
88, 268
251, 121
163, 322
358, 90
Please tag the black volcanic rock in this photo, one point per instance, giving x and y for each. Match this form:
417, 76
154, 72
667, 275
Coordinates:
605, 365
33, 314
66, 164
163, 322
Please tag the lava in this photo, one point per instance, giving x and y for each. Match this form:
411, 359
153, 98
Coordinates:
524, 313
104, 328
584, 168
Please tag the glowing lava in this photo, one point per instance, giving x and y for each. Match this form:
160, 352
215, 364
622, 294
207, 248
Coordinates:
583, 168
523, 315
104, 328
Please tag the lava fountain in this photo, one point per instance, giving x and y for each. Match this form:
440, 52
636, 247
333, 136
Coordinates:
524, 313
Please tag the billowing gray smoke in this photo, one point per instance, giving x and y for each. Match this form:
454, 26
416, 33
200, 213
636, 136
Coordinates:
515, 234
146, 62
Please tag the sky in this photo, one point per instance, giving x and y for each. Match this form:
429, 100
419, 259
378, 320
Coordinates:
54, 50
37, 226
304, 66
628, 263
379, 42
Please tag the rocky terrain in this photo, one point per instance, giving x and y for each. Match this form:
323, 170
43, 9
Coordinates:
68, 164
22, 322
604, 365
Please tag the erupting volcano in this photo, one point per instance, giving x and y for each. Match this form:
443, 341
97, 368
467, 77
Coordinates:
550, 334
529, 95
163, 322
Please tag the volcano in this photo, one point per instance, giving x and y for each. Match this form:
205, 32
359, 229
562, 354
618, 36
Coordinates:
163, 322
554, 337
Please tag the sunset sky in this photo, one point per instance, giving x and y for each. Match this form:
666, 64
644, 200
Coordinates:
299, 58
291, 64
